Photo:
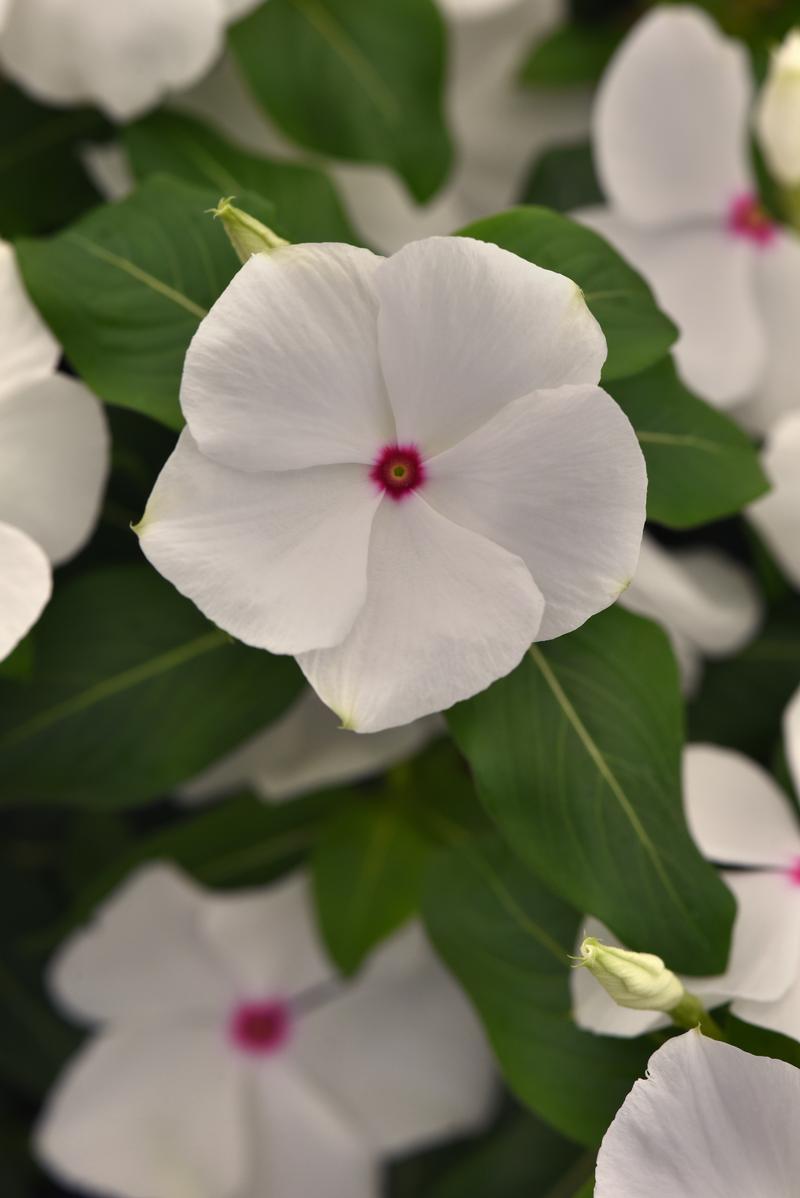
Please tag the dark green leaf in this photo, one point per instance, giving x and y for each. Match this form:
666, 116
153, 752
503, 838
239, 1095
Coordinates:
132, 691
761, 1041
638, 334
125, 289
42, 182
573, 54
577, 757
363, 82
700, 465
507, 939
563, 178
307, 206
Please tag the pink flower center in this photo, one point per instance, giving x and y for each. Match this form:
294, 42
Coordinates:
261, 1027
398, 470
793, 872
747, 218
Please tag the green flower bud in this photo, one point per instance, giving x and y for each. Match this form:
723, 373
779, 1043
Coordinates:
638, 980
247, 235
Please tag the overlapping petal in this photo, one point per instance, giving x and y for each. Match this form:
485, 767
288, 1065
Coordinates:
558, 479
447, 612
54, 457
25, 586
28, 350
791, 736
777, 514
277, 559
466, 327
777, 288
285, 373
710, 1121
670, 120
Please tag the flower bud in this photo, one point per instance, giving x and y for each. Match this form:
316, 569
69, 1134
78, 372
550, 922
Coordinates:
246, 234
778, 112
638, 980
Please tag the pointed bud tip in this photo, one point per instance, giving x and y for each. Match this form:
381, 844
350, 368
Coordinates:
246, 234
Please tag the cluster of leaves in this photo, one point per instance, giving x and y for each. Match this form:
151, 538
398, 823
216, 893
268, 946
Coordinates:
557, 791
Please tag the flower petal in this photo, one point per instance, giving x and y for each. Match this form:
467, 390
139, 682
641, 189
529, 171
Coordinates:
284, 370
25, 586
557, 478
144, 954
447, 612
777, 279
671, 120
703, 279
122, 56
279, 560
791, 738
736, 813
465, 327
307, 750
777, 515
54, 458
28, 350
305, 1142
148, 1111
709, 1121
402, 1050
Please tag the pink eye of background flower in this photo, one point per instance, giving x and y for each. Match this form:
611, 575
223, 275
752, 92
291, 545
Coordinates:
261, 1027
793, 872
398, 470
748, 218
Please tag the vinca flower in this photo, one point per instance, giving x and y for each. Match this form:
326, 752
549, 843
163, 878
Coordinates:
53, 459
706, 603
709, 1121
122, 55
778, 112
227, 1061
306, 750
739, 817
671, 126
777, 514
402, 471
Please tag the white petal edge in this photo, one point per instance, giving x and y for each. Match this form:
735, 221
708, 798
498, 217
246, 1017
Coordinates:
557, 478
791, 738
671, 120
777, 514
447, 613
777, 283
28, 350
283, 373
278, 560
26, 584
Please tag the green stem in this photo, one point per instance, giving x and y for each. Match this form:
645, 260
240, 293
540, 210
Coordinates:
690, 1013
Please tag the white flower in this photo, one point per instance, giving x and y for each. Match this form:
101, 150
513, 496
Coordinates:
400, 470
778, 112
706, 603
306, 750
710, 1121
227, 1062
53, 459
123, 55
777, 514
739, 817
671, 141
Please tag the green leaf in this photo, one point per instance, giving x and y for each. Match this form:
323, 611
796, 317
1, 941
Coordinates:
563, 178
638, 334
700, 465
577, 758
362, 82
132, 691
368, 871
307, 205
39, 146
507, 940
571, 55
125, 289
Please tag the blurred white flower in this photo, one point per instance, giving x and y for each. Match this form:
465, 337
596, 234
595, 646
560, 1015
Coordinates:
791, 738
53, 459
707, 604
778, 112
738, 817
777, 514
709, 1120
122, 55
671, 146
227, 1062
307, 750
400, 470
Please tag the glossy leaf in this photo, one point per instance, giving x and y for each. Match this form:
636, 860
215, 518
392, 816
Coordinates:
362, 82
572, 54
638, 334
576, 756
132, 691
